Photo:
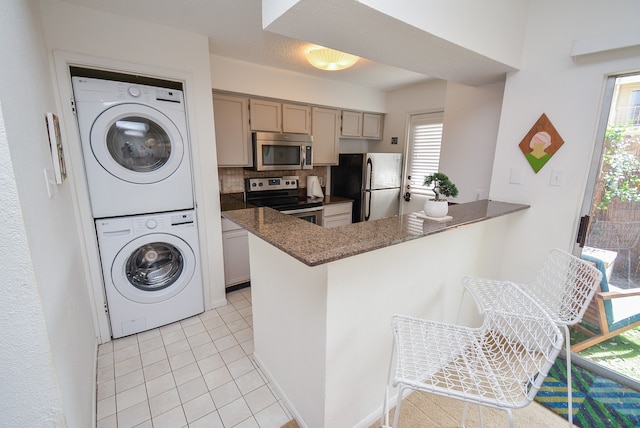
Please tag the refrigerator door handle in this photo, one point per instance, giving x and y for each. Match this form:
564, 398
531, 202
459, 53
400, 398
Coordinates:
367, 190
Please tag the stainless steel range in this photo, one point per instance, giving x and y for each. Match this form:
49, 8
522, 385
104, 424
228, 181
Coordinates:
281, 193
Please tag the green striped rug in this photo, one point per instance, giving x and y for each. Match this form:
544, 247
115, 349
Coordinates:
597, 401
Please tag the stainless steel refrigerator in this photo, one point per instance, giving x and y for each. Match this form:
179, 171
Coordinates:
372, 180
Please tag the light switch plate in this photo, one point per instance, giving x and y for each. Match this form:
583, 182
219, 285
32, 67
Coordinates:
516, 176
556, 177
50, 182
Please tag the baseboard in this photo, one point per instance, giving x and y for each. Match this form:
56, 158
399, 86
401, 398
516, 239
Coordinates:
281, 394
94, 400
237, 287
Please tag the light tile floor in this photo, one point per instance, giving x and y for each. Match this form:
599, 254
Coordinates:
197, 372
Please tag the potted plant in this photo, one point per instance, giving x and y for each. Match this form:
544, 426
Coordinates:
443, 188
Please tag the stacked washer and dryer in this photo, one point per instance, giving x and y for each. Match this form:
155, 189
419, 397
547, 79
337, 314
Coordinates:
138, 167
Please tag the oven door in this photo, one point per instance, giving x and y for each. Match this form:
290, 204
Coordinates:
312, 215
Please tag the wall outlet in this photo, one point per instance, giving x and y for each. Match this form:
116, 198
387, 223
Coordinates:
479, 194
321, 181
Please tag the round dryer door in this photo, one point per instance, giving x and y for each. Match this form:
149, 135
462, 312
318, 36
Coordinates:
137, 143
153, 268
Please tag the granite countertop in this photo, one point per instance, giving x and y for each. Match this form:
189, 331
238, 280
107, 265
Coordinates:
314, 245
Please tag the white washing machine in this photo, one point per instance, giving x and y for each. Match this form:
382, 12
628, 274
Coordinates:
135, 147
151, 270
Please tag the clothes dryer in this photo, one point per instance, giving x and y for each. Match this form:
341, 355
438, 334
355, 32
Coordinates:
151, 270
135, 146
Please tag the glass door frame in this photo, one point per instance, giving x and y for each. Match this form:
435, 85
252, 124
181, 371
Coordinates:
587, 203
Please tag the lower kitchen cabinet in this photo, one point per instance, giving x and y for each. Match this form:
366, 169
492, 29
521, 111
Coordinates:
235, 247
335, 215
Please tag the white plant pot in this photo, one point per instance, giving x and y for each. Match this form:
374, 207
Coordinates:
436, 209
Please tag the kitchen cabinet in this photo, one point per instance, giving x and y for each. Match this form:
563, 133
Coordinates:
335, 215
235, 251
372, 126
296, 118
233, 138
325, 130
265, 115
351, 124
273, 116
357, 124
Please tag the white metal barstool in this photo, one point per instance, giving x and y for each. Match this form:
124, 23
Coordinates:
563, 288
501, 364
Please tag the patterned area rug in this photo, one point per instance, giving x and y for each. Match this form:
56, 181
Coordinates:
597, 401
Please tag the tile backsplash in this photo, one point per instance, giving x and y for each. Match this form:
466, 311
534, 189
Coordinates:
232, 179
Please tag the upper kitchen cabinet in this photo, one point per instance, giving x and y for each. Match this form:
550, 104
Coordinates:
356, 124
296, 118
326, 132
233, 138
351, 124
372, 126
265, 115
272, 116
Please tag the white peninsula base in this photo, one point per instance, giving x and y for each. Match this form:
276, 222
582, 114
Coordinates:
322, 334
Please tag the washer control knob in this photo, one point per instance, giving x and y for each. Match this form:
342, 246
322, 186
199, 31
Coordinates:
134, 92
151, 223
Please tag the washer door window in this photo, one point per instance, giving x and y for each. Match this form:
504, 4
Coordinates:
137, 143
153, 268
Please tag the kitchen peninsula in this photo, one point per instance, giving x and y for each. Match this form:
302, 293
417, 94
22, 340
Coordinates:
323, 298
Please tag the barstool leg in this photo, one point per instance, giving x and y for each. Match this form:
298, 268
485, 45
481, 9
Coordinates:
567, 345
385, 406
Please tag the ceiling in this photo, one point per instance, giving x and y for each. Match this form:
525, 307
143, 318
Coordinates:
234, 29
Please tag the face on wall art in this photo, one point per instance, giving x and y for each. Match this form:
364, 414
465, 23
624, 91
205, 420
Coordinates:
540, 143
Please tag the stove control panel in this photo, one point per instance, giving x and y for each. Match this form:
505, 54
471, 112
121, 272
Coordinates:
262, 184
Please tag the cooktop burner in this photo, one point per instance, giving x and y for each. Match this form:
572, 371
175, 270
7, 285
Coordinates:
278, 193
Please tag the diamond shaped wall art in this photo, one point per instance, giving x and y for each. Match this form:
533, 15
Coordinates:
540, 143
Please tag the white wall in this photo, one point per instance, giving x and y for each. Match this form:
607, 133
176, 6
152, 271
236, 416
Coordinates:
471, 119
570, 93
400, 104
498, 35
238, 76
47, 361
124, 44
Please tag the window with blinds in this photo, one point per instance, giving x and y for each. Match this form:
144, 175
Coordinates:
425, 140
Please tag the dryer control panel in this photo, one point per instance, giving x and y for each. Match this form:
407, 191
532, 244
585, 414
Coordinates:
184, 218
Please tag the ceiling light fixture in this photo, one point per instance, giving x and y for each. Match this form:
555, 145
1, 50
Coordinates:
329, 59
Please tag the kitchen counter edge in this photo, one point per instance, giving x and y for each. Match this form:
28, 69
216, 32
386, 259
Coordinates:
314, 245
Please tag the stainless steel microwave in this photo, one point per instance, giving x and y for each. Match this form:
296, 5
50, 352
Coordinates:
279, 151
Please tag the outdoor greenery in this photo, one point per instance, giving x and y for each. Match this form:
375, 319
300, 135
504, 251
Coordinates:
620, 168
441, 186
620, 353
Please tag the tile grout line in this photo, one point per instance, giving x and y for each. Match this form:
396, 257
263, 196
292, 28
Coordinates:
234, 314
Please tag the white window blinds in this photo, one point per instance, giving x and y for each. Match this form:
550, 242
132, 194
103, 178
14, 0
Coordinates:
425, 139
